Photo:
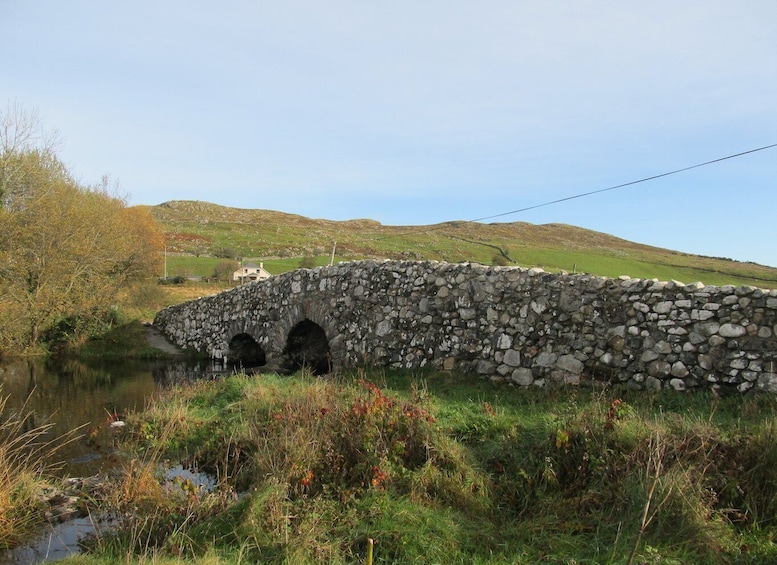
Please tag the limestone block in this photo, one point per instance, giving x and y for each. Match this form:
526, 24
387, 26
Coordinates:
512, 358
659, 369
504, 341
570, 364
467, 313
652, 383
705, 362
540, 305
745, 290
729, 300
522, 376
648, 356
484, 367
768, 382
545, 359
708, 328
738, 363
732, 330
383, 328
702, 315
679, 370
677, 384
716, 341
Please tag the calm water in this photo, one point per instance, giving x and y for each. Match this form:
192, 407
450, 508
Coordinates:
75, 394
82, 395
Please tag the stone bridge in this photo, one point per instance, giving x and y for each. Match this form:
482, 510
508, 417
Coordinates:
520, 325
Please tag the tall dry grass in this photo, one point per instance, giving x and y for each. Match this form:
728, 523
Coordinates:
26, 455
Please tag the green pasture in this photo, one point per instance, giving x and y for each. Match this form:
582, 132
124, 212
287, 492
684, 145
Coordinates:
552, 260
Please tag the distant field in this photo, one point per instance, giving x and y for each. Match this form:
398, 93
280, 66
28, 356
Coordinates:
198, 232
550, 260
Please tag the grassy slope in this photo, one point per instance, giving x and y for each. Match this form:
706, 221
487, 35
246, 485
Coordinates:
439, 469
200, 228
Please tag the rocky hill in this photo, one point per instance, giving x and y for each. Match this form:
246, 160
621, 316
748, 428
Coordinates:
204, 229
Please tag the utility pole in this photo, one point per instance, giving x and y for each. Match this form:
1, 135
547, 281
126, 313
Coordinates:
332, 258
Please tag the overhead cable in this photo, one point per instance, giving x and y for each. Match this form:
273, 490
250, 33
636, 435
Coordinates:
624, 184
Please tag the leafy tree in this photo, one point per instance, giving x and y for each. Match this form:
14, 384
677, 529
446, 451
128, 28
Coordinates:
225, 253
66, 250
224, 269
307, 263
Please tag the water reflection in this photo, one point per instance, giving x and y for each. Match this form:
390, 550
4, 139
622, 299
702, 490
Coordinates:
84, 395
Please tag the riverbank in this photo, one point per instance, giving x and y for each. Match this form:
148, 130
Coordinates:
134, 339
436, 468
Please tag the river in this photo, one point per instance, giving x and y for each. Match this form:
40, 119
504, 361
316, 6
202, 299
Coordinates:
79, 399
85, 395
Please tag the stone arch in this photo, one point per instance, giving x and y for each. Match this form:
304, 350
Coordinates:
307, 346
245, 352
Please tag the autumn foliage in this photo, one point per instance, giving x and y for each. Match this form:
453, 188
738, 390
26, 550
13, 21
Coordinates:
66, 250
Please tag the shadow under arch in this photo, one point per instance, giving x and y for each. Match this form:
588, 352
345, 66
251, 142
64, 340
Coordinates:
307, 347
245, 353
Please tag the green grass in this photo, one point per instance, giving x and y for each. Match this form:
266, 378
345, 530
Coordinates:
440, 469
200, 230
548, 259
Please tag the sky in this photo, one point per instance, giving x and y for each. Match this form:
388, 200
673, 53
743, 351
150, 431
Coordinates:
419, 112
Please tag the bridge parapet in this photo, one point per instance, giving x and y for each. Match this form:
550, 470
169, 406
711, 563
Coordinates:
521, 325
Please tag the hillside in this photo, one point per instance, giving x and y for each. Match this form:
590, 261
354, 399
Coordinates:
202, 230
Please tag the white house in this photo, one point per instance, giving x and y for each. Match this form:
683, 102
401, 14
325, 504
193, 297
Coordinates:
250, 272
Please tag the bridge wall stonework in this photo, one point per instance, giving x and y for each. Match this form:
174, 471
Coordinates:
525, 326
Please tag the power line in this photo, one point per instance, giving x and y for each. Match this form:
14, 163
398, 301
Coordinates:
624, 184
439, 226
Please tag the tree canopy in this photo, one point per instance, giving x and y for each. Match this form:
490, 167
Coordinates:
66, 250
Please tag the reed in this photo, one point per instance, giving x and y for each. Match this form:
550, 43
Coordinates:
26, 452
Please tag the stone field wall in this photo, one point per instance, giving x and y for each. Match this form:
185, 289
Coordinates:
520, 325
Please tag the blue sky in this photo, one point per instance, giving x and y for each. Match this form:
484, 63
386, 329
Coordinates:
419, 112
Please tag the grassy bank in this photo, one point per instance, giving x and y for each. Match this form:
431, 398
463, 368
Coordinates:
437, 469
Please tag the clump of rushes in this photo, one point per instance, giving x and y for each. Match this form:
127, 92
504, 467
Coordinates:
451, 471
24, 473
